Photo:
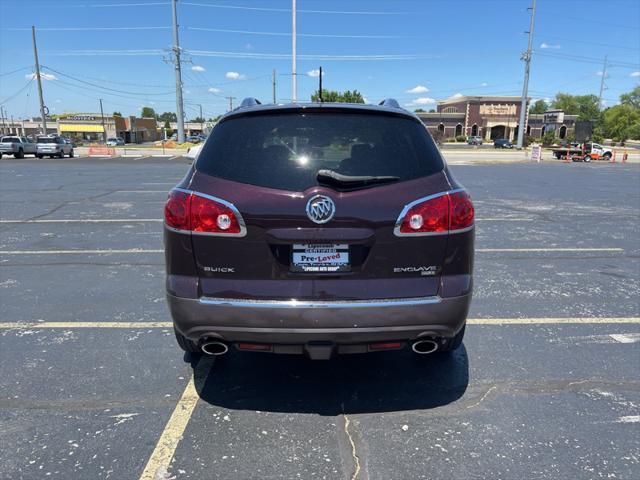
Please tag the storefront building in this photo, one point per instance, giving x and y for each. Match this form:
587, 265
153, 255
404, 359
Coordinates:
90, 127
493, 117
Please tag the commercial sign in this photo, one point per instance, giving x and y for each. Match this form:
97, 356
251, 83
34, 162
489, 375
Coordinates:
503, 110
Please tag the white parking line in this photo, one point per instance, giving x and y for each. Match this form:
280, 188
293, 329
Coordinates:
85, 220
505, 219
141, 191
514, 250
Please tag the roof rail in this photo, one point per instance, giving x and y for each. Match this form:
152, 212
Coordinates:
250, 102
390, 102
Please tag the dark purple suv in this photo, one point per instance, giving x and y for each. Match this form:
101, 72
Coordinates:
319, 229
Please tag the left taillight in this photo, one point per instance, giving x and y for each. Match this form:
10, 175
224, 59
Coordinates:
202, 214
447, 212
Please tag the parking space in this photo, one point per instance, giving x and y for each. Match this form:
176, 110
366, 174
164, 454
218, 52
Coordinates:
94, 386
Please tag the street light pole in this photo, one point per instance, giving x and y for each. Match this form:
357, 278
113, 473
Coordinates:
294, 79
525, 87
104, 129
42, 107
178, 71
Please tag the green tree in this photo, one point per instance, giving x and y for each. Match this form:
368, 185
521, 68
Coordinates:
168, 117
117, 114
347, 96
432, 110
632, 98
585, 106
622, 122
148, 112
419, 110
198, 120
539, 106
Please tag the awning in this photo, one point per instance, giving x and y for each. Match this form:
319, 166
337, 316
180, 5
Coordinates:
73, 127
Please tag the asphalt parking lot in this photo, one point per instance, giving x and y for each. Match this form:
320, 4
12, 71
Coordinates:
546, 385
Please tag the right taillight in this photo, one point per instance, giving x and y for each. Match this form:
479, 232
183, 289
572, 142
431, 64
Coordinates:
436, 215
202, 214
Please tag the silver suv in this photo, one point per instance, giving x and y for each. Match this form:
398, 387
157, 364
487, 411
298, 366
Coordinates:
16, 146
54, 147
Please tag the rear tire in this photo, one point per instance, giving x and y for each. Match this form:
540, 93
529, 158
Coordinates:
607, 157
587, 158
61, 154
453, 343
20, 154
39, 155
186, 344
71, 154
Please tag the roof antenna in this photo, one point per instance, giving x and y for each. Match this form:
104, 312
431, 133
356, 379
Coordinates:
320, 82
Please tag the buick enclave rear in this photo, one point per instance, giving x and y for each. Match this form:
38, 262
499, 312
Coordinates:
319, 229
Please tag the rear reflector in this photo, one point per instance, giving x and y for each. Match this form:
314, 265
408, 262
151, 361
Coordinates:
448, 212
385, 346
255, 347
198, 213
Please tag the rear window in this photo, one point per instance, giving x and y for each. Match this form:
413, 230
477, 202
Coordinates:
9, 140
47, 140
286, 150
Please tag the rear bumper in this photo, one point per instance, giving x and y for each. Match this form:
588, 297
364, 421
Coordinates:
301, 322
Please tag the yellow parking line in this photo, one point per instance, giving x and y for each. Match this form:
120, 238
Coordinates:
470, 321
160, 460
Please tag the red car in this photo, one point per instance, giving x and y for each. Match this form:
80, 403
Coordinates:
319, 229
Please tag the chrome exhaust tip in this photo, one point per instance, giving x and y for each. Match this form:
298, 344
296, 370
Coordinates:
424, 347
212, 347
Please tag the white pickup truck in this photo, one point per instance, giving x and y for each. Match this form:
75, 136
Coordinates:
16, 146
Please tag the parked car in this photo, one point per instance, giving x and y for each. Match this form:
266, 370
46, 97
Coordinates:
16, 146
53, 146
115, 142
193, 139
502, 143
320, 229
474, 140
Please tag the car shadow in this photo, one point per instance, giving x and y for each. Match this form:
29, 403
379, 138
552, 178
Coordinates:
351, 384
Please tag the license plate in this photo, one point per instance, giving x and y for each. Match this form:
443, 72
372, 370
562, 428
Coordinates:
309, 257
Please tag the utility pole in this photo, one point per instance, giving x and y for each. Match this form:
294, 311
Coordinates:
42, 107
104, 129
230, 102
178, 70
2, 114
526, 56
320, 85
13, 127
604, 75
201, 120
273, 84
294, 79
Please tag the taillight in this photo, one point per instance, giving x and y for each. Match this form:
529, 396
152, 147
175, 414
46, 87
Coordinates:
436, 215
197, 213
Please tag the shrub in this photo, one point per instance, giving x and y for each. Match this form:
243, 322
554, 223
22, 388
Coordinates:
549, 138
461, 138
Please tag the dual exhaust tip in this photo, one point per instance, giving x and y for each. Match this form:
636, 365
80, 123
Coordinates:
215, 347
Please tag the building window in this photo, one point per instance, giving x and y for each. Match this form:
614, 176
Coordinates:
528, 130
474, 130
458, 130
563, 131
441, 127
450, 110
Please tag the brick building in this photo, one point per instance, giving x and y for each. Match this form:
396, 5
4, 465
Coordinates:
89, 127
492, 117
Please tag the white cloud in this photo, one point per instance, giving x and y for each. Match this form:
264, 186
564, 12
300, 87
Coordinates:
545, 45
58, 100
235, 76
423, 101
599, 74
457, 95
214, 90
43, 76
366, 100
248, 46
635, 74
314, 73
418, 89
198, 68
484, 84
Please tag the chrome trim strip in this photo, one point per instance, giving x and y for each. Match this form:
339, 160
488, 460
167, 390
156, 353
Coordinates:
231, 206
287, 304
407, 207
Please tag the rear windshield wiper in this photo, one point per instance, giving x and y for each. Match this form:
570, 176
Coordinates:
330, 177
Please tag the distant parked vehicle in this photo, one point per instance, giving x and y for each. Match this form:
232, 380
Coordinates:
193, 139
502, 143
474, 140
16, 146
115, 142
54, 147
584, 153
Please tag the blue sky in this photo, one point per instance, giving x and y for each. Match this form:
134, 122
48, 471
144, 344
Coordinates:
435, 49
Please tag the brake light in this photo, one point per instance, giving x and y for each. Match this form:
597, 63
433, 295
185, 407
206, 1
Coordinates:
194, 212
444, 213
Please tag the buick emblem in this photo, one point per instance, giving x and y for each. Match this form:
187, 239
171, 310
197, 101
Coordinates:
320, 209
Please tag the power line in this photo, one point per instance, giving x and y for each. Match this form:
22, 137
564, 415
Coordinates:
571, 40
288, 34
583, 59
91, 53
287, 10
107, 5
13, 95
117, 82
84, 29
15, 71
